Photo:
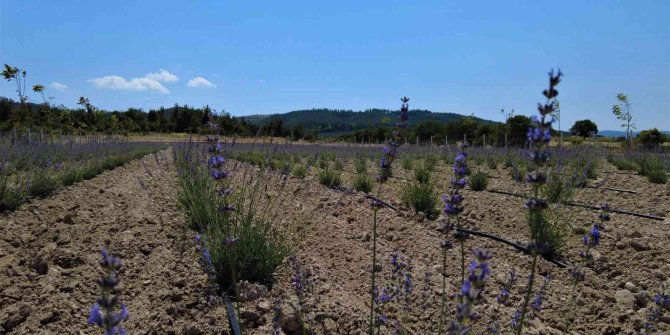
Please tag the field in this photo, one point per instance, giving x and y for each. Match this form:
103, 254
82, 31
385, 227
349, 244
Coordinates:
150, 210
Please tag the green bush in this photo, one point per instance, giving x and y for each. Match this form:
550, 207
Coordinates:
361, 165
492, 163
339, 165
558, 189
422, 198
478, 181
422, 175
300, 171
517, 172
363, 183
329, 177
262, 237
71, 176
648, 164
407, 164
11, 199
657, 176
622, 164
430, 162
550, 234
43, 184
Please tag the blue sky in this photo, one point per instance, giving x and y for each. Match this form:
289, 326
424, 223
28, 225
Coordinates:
275, 56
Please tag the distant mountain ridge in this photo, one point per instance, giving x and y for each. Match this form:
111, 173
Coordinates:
333, 121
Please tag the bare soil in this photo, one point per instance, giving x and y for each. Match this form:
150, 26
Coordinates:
49, 251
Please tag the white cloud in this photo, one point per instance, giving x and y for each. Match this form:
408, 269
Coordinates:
200, 82
163, 76
151, 81
58, 86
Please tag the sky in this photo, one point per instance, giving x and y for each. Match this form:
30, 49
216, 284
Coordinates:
262, 57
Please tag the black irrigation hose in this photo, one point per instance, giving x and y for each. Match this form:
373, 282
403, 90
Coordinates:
232, 319
510, 243
618, 211
613, 189
471, 232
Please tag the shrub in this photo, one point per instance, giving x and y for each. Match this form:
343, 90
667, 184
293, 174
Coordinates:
517, 173
549, 233
43, 184
430, 162
71, 176
339, 166
478, 181
11, 199
329, 177
422, 198
492, 163
361, 165
363, 183
242, 231
648, 164
622, 163
657, 176
407, 164
558, 189
300, 171
422, 175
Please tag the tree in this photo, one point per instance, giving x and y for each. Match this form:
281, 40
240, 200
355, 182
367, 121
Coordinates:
518, 127
584, 128
622, 113
651, 138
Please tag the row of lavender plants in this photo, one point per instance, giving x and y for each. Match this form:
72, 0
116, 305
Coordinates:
39, 169
238, 215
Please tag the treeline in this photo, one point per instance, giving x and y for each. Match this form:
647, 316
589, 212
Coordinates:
512, 132
188, 119
176, 119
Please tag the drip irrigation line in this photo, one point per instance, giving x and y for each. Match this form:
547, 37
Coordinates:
471, 232
613, 189
381, 202
510, 243
618, 211
232, 319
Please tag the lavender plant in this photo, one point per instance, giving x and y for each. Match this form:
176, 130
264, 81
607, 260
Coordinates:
453, 209
578, 274
503, 299
471, 292
385, 172
107, 313
538, 137
656, 312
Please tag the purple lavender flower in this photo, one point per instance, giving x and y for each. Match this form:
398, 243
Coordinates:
103, 313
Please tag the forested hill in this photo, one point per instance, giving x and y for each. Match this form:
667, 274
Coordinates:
329, 121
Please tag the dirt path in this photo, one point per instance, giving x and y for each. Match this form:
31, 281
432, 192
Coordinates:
49, 251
